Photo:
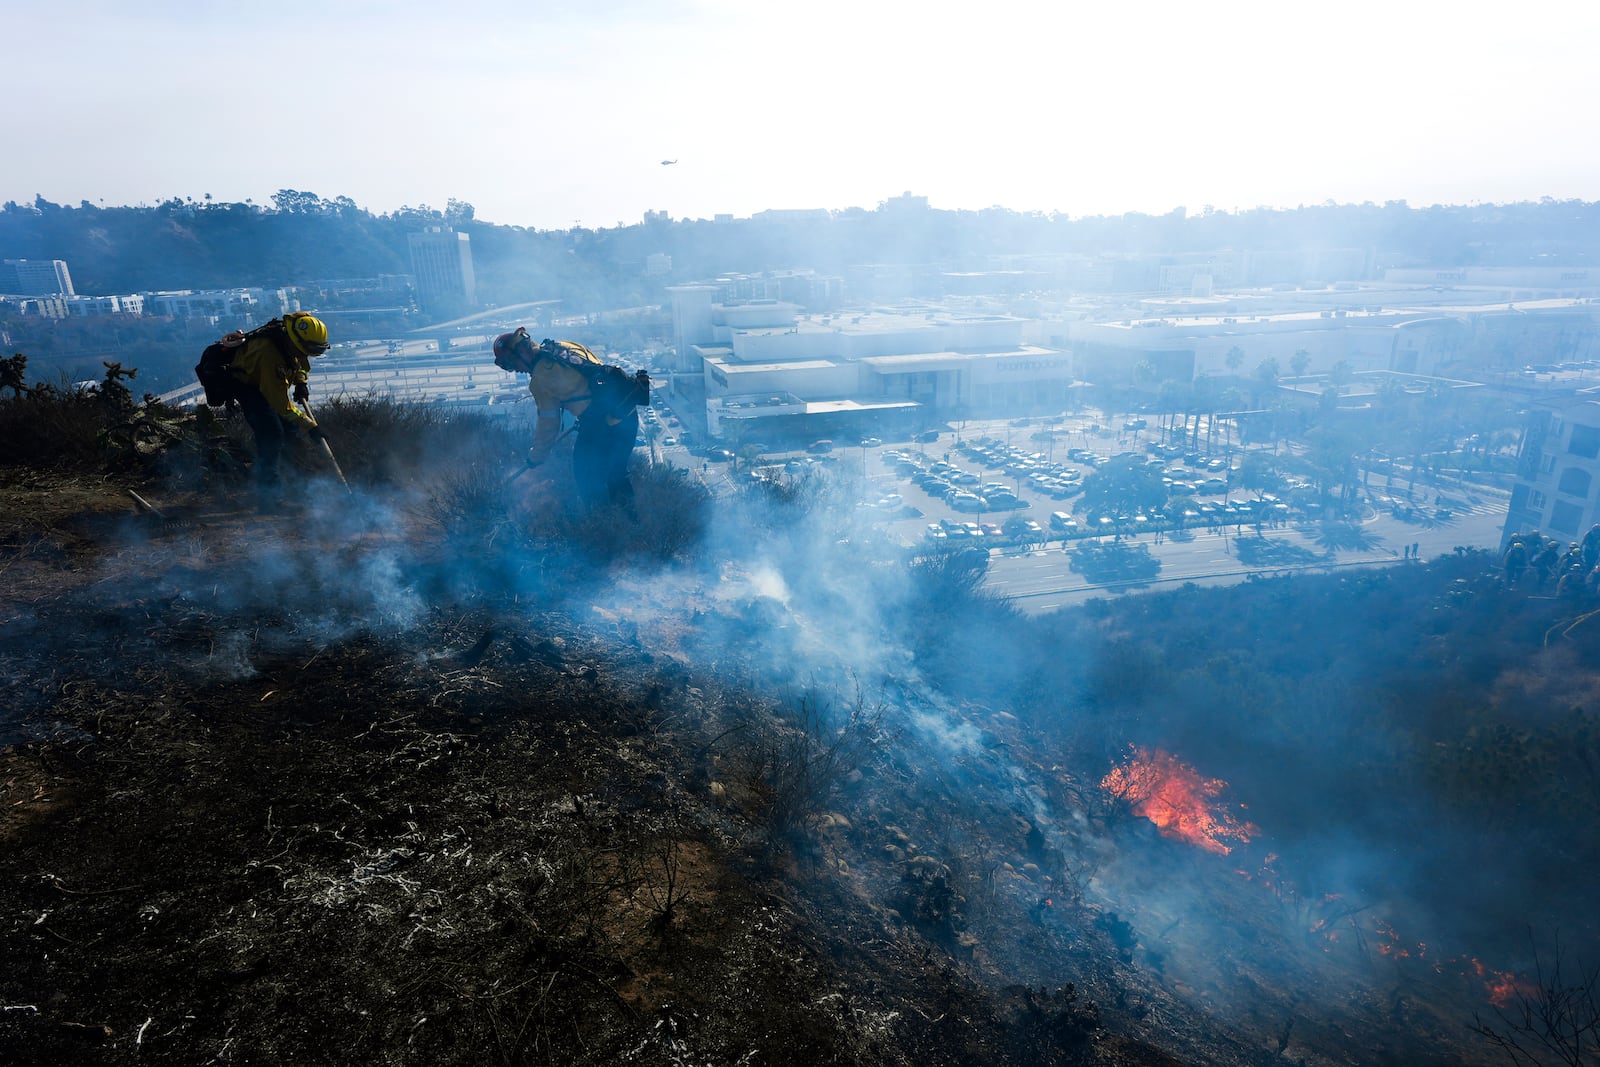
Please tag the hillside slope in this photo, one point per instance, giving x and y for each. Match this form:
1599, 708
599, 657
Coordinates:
433, 775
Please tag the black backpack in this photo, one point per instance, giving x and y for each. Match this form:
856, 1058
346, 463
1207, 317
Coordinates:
614, 392
212, 370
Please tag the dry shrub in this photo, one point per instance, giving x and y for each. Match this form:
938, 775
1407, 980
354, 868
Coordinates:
795, 763
60, 425
669, 517
393, 442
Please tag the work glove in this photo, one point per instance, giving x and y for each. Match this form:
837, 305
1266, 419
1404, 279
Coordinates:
531, 461
302, 392
316, 434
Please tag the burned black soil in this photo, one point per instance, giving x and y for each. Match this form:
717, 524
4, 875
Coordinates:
250, 813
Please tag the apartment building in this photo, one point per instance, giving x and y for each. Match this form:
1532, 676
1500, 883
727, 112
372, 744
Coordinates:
255, 305
85, 306
1558, 472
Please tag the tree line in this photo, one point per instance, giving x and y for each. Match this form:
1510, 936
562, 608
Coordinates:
302, 237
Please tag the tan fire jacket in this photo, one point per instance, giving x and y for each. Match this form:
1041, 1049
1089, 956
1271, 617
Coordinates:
557, 387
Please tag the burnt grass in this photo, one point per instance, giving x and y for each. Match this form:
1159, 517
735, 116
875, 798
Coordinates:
459, 781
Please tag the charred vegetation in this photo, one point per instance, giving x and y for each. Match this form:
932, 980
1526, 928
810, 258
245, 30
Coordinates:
445, 771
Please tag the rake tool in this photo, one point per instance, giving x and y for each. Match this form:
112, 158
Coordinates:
306, 404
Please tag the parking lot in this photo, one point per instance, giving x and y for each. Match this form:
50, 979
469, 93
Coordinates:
982, 489
1001, 484
1013, 491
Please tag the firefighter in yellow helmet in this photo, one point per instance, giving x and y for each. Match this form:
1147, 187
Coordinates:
272, 366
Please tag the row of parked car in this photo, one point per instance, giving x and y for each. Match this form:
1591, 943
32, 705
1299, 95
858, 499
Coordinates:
1044, 475
961, 489
965, 489
1014, 531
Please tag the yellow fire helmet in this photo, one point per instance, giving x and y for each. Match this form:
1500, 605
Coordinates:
309, 333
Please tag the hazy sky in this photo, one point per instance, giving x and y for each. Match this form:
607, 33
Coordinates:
549, 114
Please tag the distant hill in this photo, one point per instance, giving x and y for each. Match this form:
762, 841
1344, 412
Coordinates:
303, 238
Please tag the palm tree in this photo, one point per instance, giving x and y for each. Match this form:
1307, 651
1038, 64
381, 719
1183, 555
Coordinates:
1299, 362
1234, 359
1267, 374
1331, 457
1169, 400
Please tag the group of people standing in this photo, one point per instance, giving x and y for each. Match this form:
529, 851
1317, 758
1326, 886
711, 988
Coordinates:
1534, 560
266, 372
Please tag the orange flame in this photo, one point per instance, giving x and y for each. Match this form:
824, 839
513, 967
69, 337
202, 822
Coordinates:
1173, 795
1504, 987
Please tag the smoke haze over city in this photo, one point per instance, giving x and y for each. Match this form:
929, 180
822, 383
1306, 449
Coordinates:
567, 114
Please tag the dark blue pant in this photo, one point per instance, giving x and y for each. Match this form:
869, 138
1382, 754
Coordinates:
269, 430
600, 459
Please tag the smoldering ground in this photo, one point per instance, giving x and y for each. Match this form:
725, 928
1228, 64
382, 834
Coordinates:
968, 799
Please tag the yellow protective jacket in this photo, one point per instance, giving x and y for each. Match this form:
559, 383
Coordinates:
558, 385
263, 364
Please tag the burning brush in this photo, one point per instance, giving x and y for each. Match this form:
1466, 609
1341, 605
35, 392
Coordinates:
1173, 795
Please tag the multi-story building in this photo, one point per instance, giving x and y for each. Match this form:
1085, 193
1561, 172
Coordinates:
441, 263
44, 307
216, 304
1233, 335
1558, 469
762, 362
35, 277
85, 306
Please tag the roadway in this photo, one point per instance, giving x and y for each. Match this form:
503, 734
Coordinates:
1039, 580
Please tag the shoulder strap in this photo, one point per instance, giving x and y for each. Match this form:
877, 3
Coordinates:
274, 330
569, 352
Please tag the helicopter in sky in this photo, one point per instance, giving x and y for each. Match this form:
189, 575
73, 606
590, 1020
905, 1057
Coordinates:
668, 162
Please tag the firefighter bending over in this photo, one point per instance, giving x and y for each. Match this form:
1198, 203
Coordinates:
258, 370
566, 376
